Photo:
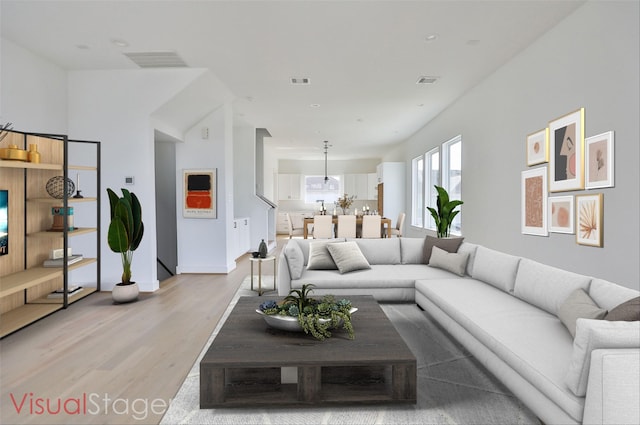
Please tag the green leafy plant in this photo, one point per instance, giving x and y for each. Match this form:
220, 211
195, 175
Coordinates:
126, 228
316, 317
445, 213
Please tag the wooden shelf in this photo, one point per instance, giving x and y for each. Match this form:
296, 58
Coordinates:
82, 167
23, 164
75, 232
24, 315
72, 298
59, 201
34, 276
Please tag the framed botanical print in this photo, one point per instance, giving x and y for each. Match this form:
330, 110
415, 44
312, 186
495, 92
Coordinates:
538, 147
599, 161
566, 152
589, 211
560, 215
534, 202
200, 193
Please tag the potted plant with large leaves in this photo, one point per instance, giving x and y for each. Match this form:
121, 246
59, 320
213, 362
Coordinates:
124, 236
445, 213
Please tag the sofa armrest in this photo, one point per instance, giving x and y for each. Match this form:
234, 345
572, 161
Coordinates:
284, 277
613, 390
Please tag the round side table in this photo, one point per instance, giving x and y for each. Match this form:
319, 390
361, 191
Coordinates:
260, 261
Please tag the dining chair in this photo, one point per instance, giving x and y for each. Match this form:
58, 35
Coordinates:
371, 225
292, 230
346, 226
323, 227
399, 224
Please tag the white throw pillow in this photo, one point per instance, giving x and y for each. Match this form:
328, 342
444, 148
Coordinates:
348, 257
319, 257
295, 259
449, 261
592, 335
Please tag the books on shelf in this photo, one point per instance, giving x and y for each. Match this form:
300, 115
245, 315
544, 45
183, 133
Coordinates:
59, 293
59, 262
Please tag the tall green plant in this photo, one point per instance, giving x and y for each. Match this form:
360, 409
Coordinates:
445, 213
126, 228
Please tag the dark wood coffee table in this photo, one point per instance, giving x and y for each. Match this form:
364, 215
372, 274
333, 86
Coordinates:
248, 362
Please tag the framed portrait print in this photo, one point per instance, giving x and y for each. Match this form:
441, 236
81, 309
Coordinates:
534, 202
566, 152
200, 194
599, 161
589, 210
538, 147
560, 216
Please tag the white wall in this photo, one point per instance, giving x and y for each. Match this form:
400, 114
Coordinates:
589, 60
34, 91
115, 108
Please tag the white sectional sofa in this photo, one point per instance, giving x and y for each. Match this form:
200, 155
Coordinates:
505, 310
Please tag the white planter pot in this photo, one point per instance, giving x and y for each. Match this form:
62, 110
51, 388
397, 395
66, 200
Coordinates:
125, 293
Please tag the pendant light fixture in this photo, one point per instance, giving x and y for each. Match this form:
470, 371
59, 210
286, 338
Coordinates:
326, 150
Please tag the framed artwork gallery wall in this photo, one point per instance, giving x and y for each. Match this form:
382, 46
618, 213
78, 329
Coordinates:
572, 163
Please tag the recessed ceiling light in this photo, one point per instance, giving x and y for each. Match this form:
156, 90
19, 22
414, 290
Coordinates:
314, 105
473, 42
420, 105
119, 42
431, 37
425, 79
82, 46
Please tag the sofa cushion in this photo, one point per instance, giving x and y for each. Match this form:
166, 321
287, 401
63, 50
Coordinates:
545, 286
450, 261
448, 244
495, 268
578, 305
319, 257
541, 355
469, 248
608, 294
411, 250
295, 259
347, 256
592, 335
380, 251
628, 311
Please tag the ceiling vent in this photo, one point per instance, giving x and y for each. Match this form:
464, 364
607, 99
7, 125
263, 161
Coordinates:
156, 59
300, 81
427, 80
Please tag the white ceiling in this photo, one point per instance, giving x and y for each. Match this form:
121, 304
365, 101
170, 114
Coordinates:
363, 57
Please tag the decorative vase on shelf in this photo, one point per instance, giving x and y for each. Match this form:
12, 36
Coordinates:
33, 155
262, 249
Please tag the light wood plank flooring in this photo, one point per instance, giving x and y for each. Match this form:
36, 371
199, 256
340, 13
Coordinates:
128, 360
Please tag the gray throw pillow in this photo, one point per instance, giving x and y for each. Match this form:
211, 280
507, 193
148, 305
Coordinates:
319, 257
348, 257
449, 261
295, 259
448, 244
628, 311
578, 305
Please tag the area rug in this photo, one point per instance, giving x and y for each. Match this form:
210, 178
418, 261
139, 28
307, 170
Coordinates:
453, 388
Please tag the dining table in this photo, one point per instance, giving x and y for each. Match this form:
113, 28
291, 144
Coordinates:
385, 222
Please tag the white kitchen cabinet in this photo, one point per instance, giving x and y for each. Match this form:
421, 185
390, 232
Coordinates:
358, 185
242, 233
392, 177
372, 186
289, 187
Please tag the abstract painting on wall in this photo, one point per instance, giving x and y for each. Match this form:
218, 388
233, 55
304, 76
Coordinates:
538, 147
534, 202
200, 194
599, 161
589, 210
566, 149
4, 222
560, 215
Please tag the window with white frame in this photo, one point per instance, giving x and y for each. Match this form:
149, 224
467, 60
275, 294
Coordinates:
452, 175
316, 189
432, 178
417, 199
441, 166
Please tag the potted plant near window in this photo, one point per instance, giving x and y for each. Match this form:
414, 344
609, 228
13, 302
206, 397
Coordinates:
445, 212
124, 236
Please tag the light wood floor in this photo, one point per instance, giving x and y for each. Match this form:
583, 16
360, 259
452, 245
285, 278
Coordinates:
128, 360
